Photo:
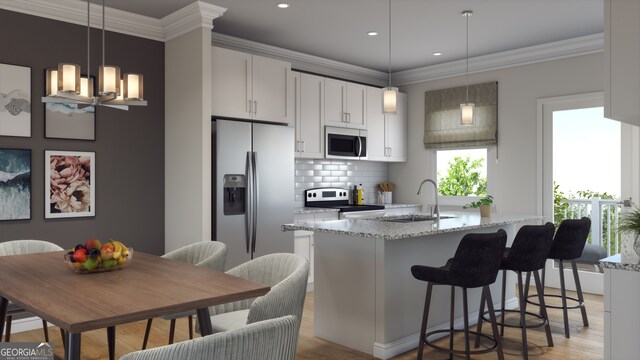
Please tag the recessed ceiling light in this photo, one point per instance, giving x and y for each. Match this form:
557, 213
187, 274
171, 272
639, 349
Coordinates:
372, 33
437, 53
282, 5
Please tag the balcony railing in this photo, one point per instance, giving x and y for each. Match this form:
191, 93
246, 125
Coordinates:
604, 215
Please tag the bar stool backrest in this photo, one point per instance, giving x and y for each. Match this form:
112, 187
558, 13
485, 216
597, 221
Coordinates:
478, 258
530, 248
570, 239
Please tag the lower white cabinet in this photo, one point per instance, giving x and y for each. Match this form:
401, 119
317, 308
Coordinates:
621, 314
303, 240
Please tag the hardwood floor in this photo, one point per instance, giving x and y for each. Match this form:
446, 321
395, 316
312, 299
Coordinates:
586, 343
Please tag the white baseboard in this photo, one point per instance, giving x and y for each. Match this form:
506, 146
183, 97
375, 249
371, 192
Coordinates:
26, 324
410, 342
310, 287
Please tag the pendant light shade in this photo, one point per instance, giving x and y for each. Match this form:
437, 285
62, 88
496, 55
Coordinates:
69, 78
51, 87
467, 110
390, 94
86, 86
109, 80
133, 87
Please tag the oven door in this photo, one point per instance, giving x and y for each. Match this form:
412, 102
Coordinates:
367, 214
345, 144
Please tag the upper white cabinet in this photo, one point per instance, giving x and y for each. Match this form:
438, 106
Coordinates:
387, 135
622, 60
309, 115
250, 87
344, 104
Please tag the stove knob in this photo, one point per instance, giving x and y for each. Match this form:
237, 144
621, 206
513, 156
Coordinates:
309, 195
315, 195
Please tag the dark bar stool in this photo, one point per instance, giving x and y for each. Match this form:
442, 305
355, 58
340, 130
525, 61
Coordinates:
475, 264
528, 253
568, 245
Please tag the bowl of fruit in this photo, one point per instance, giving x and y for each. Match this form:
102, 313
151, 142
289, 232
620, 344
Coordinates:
93, 256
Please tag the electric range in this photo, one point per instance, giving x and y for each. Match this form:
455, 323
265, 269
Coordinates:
338, 198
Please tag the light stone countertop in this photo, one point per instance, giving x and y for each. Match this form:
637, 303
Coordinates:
377, 228
396, 206
312, 210
615, 262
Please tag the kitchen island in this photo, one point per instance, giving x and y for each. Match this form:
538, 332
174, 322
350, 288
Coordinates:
365, 297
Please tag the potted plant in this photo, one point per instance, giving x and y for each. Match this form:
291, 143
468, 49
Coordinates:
630, 226
484, 204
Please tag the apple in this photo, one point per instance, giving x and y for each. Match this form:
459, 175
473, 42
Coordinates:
92, 244
91, 263
80, 255
106, 253
107, 246
109, 264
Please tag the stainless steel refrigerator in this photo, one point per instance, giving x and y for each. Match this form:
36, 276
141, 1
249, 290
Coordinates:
253, 197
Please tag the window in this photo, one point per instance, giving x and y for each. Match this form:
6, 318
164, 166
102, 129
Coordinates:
462, 172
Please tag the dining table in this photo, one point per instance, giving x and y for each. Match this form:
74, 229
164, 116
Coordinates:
150, 286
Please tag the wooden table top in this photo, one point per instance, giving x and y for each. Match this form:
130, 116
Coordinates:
149, 287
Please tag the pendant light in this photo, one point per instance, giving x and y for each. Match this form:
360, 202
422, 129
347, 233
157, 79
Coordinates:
390, 94
64, 84
467, 110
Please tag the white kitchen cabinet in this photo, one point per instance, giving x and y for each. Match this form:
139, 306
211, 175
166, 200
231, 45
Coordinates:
344, 104
250, 87
304, 241
622, 60
621, 313
387, 135
309, 115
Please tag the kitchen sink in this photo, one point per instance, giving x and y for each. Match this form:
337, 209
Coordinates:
415, 218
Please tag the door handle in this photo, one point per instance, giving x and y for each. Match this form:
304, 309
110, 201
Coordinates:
304, 146
255, 106
250, 107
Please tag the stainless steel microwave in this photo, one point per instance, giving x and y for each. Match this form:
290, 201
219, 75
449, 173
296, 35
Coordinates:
341, 143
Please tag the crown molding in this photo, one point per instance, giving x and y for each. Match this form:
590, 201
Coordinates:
302, 61
195, 15
584, 45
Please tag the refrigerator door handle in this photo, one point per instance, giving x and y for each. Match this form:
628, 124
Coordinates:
256, 200
249, 200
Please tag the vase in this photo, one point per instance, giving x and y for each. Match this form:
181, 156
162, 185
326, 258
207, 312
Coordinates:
485, 211
630, 248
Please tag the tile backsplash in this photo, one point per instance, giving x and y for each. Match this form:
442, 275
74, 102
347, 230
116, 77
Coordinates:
313, 173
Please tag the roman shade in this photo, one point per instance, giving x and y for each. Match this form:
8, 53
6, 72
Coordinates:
442, 127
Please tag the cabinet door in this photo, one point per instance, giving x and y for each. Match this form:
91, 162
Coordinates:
311, 122
376, 144
270, 89
397, 131
356, 101
295, 81
230, 83
334, 102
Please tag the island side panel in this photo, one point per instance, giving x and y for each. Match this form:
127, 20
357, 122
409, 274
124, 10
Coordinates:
400, 297
344, 290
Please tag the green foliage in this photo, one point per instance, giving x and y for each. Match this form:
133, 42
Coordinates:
487, 200
560, 205
630, 223
463, 178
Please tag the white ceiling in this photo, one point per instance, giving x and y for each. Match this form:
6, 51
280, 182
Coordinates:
336, 29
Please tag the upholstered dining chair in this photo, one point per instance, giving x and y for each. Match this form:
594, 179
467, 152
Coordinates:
211, 254
264, 340
286, 274
20, 247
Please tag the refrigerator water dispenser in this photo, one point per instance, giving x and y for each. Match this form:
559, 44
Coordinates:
234, 189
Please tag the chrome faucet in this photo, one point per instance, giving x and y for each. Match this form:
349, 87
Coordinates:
435, 188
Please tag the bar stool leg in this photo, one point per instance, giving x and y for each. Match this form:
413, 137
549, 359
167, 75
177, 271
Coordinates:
452, 309
583, 309
503, 300
527, 284
425, 317
523, 324
480, 320
543, 307
465, 309
564, 301
492, 316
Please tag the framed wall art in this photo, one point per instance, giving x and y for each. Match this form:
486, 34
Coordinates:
15, 100
69, 121
70, 185
15, 184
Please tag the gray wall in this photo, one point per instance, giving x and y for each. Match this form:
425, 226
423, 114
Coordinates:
129, 145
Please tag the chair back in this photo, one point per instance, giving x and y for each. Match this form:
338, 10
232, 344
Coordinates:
211, 254
477, 260
570, 239
530, 248
20, 247
265, 340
